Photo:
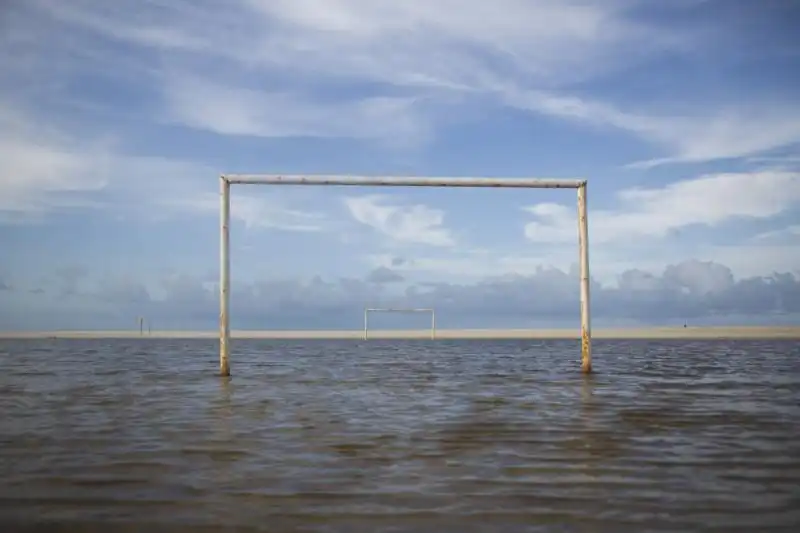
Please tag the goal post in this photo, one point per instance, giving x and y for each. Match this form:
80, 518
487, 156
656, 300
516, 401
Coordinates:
226, 180
368, 310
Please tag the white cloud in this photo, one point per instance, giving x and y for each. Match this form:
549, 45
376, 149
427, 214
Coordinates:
234, 110
456, 264
254, 212
776, 160
696, 135
33, 174
471, 264
414, 224
744, 260
380, 39
789, 232
708, 200
526, 54
510, 50
792, 231
146, 24
684, 290
44, 171
40, 168
456, 43
749, 259
643, 217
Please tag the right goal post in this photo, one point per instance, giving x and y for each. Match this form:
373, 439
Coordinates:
368, 310
226, 180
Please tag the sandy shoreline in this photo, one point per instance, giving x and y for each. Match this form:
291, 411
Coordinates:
749, 332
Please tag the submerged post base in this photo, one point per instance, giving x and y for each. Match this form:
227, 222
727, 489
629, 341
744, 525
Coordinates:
586, 353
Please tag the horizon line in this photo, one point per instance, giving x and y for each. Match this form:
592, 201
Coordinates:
639, 332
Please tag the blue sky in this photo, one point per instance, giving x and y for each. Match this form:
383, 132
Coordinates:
116, 119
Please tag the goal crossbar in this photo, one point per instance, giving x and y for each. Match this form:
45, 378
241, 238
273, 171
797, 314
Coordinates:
368, 310
403, 181
226, 180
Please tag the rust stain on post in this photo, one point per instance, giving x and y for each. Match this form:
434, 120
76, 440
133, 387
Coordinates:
586, 352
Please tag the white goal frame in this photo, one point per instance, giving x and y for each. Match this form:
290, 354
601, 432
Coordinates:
226, 180
409, 310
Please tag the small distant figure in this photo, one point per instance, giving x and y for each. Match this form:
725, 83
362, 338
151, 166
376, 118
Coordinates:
684, 324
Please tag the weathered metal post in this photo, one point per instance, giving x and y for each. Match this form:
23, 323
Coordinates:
583, 246
224, 276
407, 181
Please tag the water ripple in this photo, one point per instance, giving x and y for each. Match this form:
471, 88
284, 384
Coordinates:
399, 436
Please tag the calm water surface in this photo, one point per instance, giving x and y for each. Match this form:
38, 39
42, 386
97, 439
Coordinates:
400, 436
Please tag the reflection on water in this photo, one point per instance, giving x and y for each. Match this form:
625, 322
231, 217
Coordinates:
399, 436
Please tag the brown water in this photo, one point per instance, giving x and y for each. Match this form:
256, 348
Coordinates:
399, 436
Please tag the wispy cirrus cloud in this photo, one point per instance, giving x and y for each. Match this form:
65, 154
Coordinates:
254, 212
45, 172
536, 56
41, 169
236, 110
791, 231
655, 212
695, 134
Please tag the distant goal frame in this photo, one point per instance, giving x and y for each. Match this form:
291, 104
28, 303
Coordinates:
400, 310
226, 180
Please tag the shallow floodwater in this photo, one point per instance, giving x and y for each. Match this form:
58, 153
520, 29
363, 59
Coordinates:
400, 436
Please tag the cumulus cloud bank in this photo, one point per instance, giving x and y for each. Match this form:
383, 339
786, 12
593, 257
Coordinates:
693, 291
